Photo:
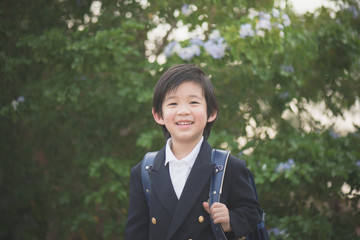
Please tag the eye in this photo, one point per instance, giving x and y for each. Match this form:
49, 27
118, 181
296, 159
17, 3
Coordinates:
194, 102
172, 104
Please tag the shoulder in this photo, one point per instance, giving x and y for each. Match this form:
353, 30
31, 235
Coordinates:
158, 158
234, 162
136, 171
236, 168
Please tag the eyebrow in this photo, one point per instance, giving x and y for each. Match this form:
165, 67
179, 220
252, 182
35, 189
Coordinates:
173, 96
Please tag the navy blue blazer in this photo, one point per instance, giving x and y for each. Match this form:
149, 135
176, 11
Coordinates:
177, 219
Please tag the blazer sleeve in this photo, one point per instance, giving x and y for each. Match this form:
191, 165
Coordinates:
244, 209
137, 225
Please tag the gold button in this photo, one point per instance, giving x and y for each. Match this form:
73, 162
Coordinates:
153, 220
201, 219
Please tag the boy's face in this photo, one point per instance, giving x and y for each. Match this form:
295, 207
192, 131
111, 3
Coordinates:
185, 113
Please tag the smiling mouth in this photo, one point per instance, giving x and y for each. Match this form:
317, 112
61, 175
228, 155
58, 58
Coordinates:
184, 123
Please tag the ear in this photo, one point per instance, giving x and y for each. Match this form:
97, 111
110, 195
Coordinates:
159, 119
212, 117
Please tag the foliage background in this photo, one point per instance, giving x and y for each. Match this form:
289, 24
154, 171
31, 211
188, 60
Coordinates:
75, 99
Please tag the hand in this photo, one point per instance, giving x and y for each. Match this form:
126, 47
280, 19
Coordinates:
220, 214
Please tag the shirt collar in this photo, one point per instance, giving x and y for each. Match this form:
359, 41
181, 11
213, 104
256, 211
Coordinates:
189, 159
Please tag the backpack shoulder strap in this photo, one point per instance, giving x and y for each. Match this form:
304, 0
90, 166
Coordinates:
146, 166
220, 158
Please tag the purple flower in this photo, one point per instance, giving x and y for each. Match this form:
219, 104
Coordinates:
264, 15
357, 135
81, 2
284, 95
15, 103
81, 78
276, 231
278, 26
358, 163
197, 41
264, 23
334, 135
185, 54
286, 20
215, 35
21, 99
283, 166
275, 13
354, 11
215, 48
246, 30
186, 10
188, 53
287, 68
169, 49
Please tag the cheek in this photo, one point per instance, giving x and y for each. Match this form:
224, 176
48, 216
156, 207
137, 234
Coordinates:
168, 114
202, 115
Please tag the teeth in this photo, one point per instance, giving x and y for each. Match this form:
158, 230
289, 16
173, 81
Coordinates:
184, 123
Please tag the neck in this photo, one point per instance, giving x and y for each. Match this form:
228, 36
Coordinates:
182, 149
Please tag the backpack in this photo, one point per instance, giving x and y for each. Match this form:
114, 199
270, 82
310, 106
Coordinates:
220, 158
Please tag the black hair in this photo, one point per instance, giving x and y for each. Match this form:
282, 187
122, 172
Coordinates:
172, 79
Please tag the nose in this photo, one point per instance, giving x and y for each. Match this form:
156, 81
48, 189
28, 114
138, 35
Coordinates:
183, 110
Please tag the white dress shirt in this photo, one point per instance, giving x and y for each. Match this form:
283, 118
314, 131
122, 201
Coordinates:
180, 169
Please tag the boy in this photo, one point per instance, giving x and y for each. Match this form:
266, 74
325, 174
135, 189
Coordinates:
185, 106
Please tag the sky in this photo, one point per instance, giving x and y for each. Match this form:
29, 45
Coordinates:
303, 6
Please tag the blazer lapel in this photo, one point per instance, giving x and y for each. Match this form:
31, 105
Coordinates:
161, 183
195, 184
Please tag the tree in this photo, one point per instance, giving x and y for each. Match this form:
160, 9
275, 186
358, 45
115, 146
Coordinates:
77, 81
